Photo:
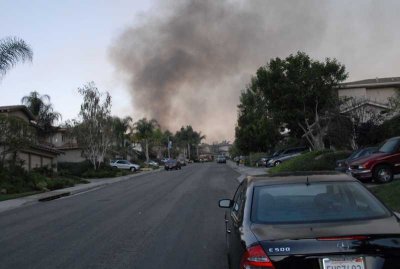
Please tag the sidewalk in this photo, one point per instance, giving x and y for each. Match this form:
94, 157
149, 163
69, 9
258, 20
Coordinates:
246, 170
51, 195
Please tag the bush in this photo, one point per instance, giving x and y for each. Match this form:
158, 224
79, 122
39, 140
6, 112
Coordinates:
74, 169
311, 161
254, 157
45, 171
17, 180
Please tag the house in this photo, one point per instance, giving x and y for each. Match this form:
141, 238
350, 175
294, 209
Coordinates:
371, 95
38, 154
67, 144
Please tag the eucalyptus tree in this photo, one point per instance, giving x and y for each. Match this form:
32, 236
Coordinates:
94, 129
12, 51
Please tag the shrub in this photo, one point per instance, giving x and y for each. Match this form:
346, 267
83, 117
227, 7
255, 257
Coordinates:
59, 183
100, 173
254, 157
311, 161
74, 169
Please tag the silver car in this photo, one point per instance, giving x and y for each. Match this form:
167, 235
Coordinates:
125, 164
286, 155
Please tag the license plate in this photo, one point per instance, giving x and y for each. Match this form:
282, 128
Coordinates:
343, 263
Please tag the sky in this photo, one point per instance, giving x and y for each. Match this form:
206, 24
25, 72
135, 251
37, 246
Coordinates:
186, 61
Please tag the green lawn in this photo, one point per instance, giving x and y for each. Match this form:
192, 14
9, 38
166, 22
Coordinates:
389, 194
4, 197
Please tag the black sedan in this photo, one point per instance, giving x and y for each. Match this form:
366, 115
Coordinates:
172, 164
309, 221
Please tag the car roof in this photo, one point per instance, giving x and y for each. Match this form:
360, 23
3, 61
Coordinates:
298, 177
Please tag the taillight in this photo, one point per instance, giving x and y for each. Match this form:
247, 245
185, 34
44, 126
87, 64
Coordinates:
254, 258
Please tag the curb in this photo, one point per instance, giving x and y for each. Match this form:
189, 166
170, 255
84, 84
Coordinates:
56, 194
98, 185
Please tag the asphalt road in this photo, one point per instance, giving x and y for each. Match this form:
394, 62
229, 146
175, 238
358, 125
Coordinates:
167, 220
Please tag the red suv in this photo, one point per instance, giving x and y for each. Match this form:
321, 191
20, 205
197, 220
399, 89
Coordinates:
380, 166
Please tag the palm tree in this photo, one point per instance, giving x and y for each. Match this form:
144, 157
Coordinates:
12, 51
121, 130
35, 102
144, 132
41, 107
197, 138
188, 137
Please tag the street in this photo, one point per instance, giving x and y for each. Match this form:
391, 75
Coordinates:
160, 220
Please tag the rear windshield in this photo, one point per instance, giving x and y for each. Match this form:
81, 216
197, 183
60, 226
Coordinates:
317, 202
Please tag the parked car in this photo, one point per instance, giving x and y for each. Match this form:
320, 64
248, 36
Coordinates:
261, 162
163, 160
285, 155
172, 164
380, 166
182, 161
153, 163
221, 159
310, 221
125, 164
343, 165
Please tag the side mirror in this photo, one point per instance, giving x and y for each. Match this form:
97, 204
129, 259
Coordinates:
225, 203
397, 214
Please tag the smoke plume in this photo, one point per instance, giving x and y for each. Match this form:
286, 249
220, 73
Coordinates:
187, 60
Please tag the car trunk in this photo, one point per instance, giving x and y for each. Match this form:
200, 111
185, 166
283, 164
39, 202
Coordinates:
374, 244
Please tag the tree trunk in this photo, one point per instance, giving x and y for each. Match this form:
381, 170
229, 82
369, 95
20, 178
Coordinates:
147, 150
189, 151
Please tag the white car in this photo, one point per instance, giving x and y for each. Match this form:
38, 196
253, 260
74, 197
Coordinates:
153, 163
124, 164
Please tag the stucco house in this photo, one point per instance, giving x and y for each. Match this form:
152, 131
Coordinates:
39, 154
372, 94
66, 144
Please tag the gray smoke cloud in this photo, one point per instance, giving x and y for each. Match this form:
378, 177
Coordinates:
187, 60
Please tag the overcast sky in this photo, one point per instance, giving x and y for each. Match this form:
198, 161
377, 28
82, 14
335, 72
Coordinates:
72, 42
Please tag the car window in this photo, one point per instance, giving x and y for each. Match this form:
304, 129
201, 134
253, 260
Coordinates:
317, 202
238, 199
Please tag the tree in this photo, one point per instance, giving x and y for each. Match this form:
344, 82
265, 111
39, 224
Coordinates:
362, 117
255, 130
41, 107
15, 135
94, 131
121, 131
187, 138
197, 138
12, 51
144, 133
299, 92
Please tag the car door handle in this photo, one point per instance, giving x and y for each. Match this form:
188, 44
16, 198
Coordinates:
226, 220
228, 231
